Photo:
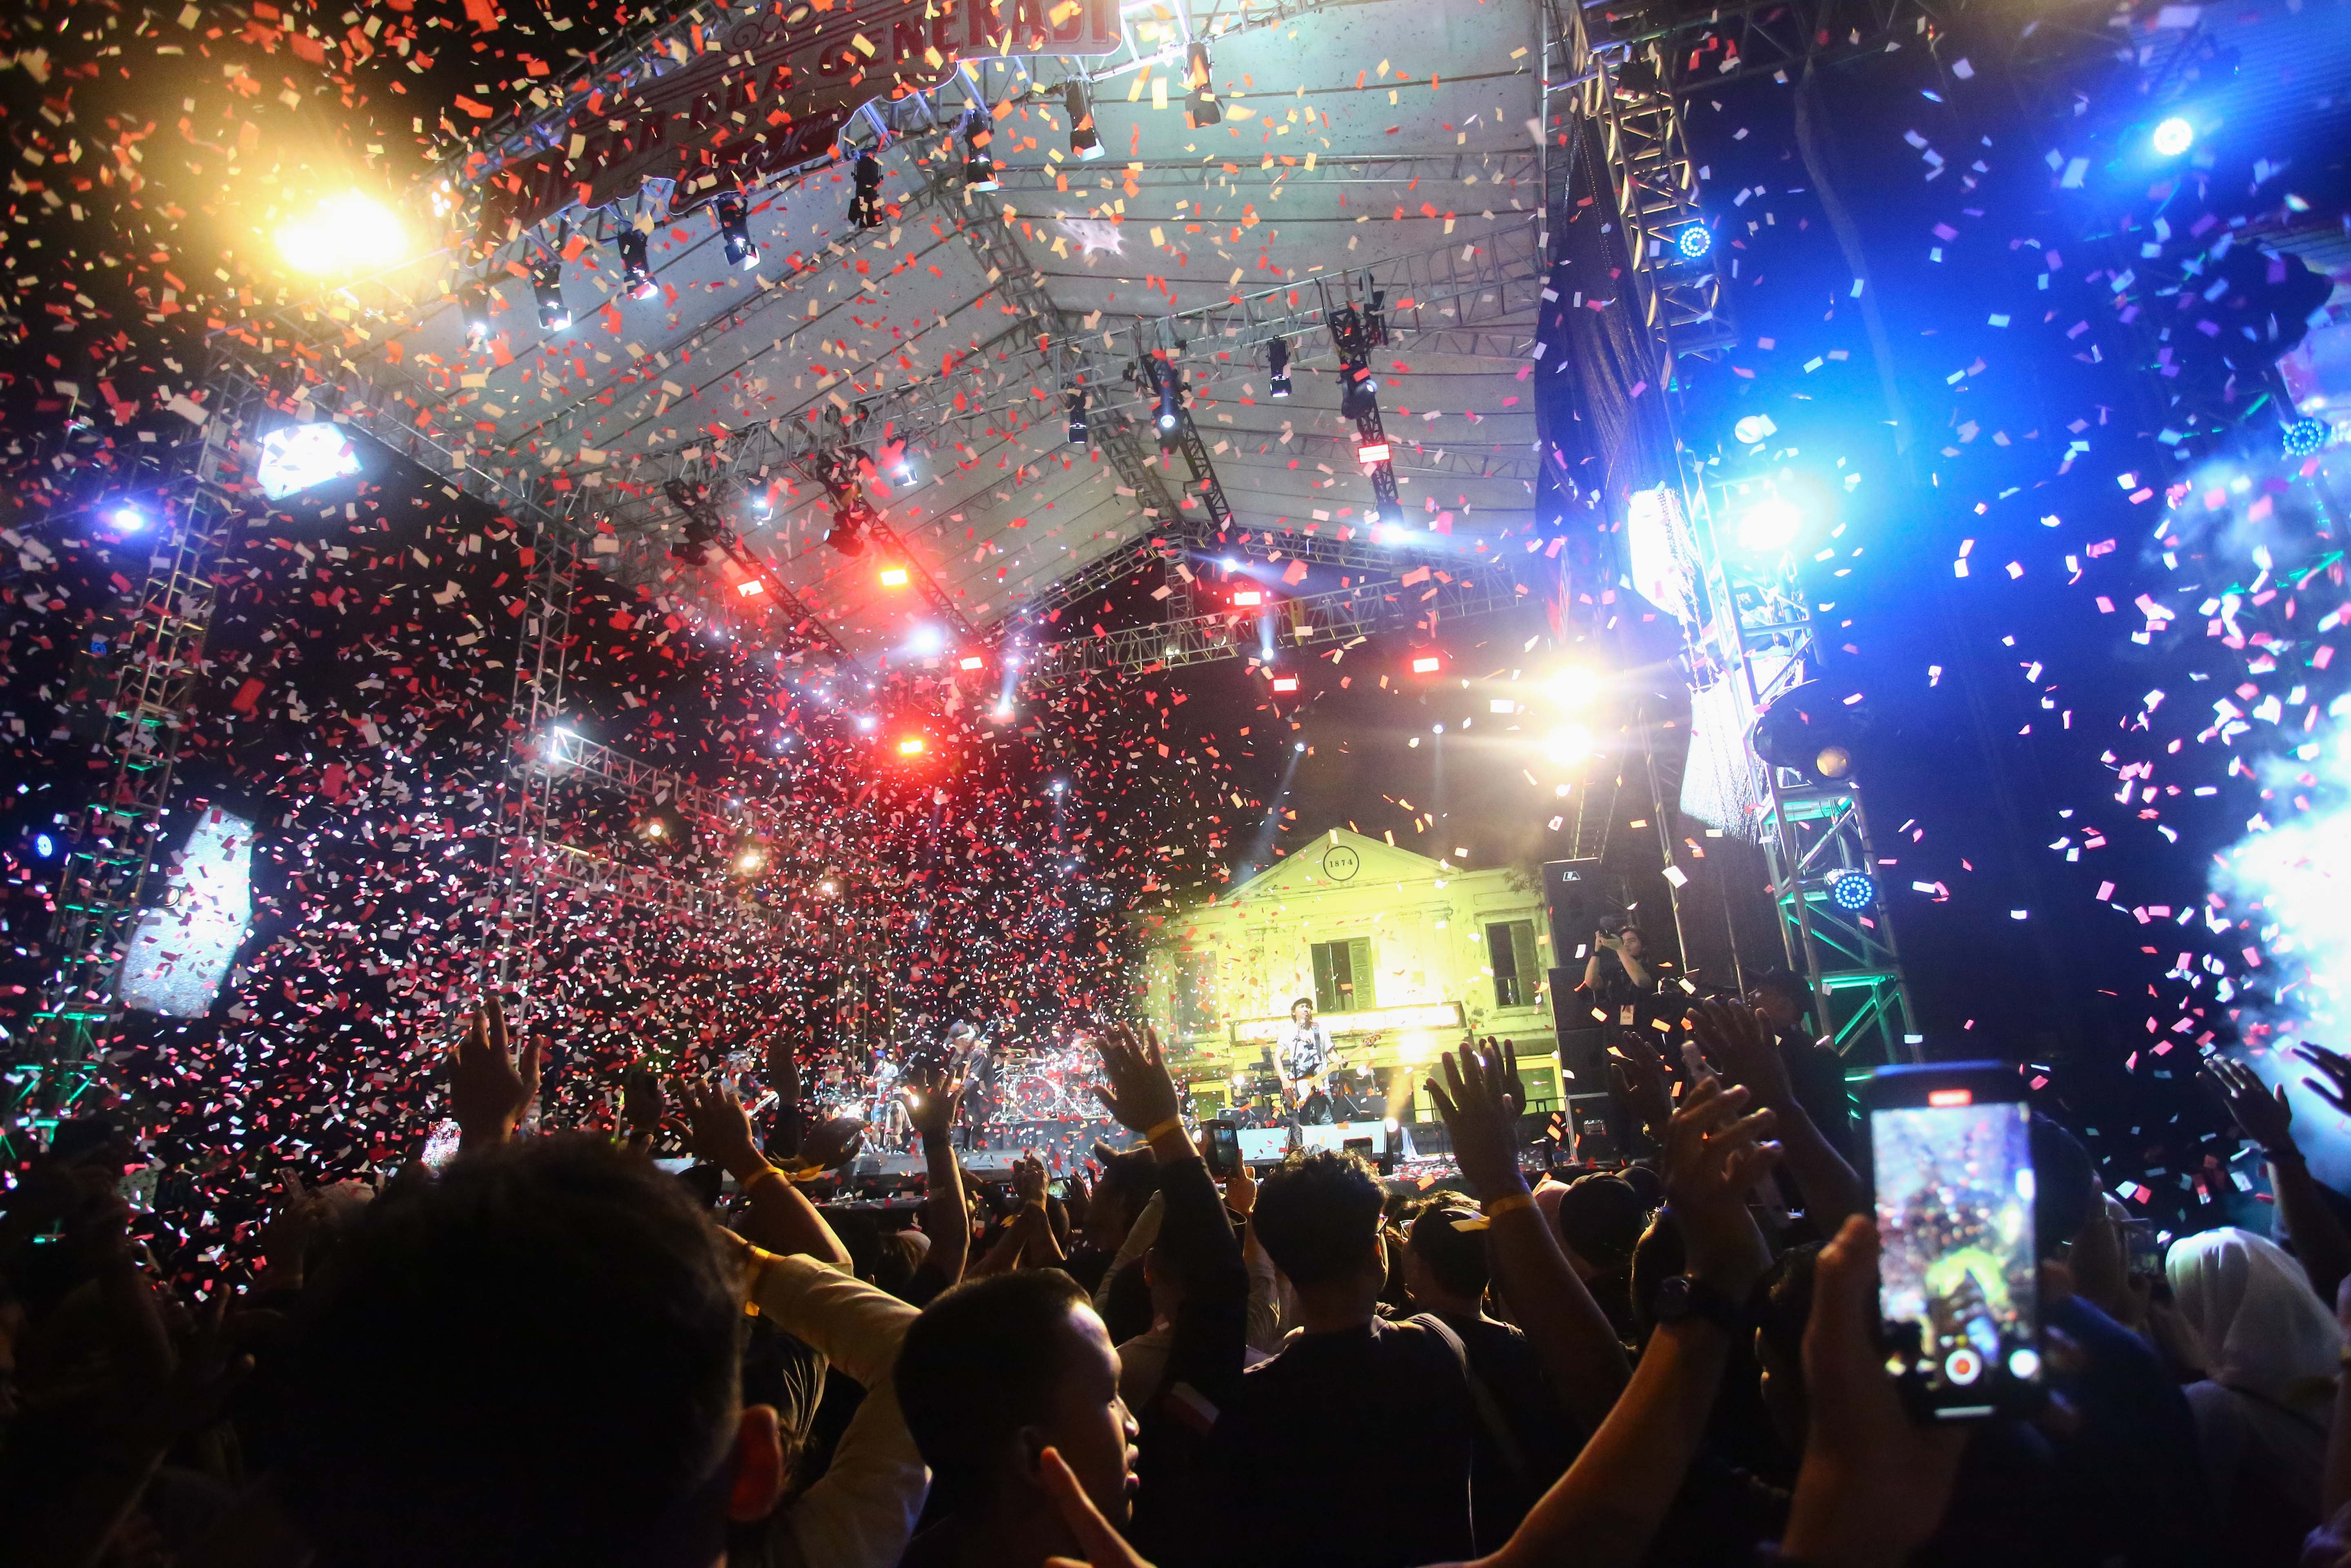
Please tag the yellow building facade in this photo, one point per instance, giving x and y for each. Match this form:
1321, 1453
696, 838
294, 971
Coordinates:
1401, 954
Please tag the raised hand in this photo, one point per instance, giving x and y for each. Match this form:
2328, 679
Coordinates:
1096, 1537
931, 1095
1874, 1483
1713, 1154
1140, 1092
2337, 1090
286, 1240
1738, 1041
717, 1128
1639, 1074
1240, 1190
1028, 1181
1474, 1102
489, 1088
2261, 1111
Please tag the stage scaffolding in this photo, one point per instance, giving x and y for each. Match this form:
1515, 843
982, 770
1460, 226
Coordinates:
1752, 636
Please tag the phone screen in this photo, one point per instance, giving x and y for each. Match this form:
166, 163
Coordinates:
1223, 1155
1956, 1270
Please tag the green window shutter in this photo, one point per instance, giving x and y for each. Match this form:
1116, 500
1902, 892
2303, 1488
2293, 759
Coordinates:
1326, 984
1358, 961
1523, 955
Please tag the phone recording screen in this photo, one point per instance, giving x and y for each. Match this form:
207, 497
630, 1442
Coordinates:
1956, 1284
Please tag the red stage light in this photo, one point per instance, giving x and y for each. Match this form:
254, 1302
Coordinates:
750, 588
1426, 665
970, 662
1373, 452
895, 577
1285, 683
1250, 597
913, 745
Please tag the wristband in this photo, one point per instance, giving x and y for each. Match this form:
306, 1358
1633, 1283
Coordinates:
1173, 1125
1495, 1207
765, 1172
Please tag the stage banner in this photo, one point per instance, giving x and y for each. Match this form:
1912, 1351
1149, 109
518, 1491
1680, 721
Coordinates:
767, 92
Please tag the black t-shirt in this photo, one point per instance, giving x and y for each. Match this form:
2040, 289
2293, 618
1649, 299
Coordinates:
1348, 1450
1505, 1484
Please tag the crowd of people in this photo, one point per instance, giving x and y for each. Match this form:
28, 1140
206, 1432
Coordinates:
558, 1348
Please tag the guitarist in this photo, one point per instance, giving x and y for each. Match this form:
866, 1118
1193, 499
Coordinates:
1303, 1055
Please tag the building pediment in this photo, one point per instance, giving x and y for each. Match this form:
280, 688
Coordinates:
1332, 860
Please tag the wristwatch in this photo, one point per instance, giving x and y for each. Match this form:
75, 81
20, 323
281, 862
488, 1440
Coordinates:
1682, 1297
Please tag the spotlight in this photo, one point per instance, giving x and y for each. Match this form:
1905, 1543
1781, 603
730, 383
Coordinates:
865, 201
1202, 104
663, 830
1167, 398
1430, 663
345, 233
749, 860
734, 226
1285, 684
1852, 888
1810, 731
1276, 367
636, 269
848, 532
1568, 743
1575, 688
913, 745
978, 168
547, 287
2304, 437
971, 662
1249, 599
1085, 145
1359, 393
1694, 242
2173, 137
1370, 452
129, 519
44, 845
895, 577
1769, 526
474, 306
1076, 399
1752, 428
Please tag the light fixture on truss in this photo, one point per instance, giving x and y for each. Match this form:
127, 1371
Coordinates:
1201, 105
1085, 143
978, 168
1277, 368
865, 191
636, 266
734, 229
547, 288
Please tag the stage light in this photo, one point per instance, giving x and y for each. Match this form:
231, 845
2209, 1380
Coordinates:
749, 860
1076, 400
129, 519
1809, 731
848, 532
1568, 743
1359, 393
1166, 396
971, 662
1202, 103
1429, 663
735, 227
1694, 242
1769, 526
1852, 888
1754, 428
865, 198
2304, 437
1085, 145
44, 845
1285, 683
2173, 137
1575, 688
913, 745
1832, 762
1249, 598
636, 269
978, 168
895, 577
474, 310
1372, 452
296, 456
547, 287
926, 640
346, 234
1276, 367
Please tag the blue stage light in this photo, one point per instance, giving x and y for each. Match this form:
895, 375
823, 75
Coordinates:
1853, 889
1694, 242
2304, 437
2173, 137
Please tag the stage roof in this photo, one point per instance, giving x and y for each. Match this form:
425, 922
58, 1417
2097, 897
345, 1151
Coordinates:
1365, 145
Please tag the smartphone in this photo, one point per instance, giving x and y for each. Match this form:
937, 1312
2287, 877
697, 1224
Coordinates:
1223, 1152
1951, 1147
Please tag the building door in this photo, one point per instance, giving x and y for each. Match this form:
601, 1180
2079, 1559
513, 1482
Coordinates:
1510, 949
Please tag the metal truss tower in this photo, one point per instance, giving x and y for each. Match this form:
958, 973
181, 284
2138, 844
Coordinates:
156, 664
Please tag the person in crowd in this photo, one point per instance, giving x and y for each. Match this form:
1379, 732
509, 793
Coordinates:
1616, 975
2271, 1354
1600, 1219
1815, 1074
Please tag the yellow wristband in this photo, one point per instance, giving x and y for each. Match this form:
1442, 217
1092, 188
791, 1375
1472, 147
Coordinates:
1173, 1125
1496, 1208
769, 1171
